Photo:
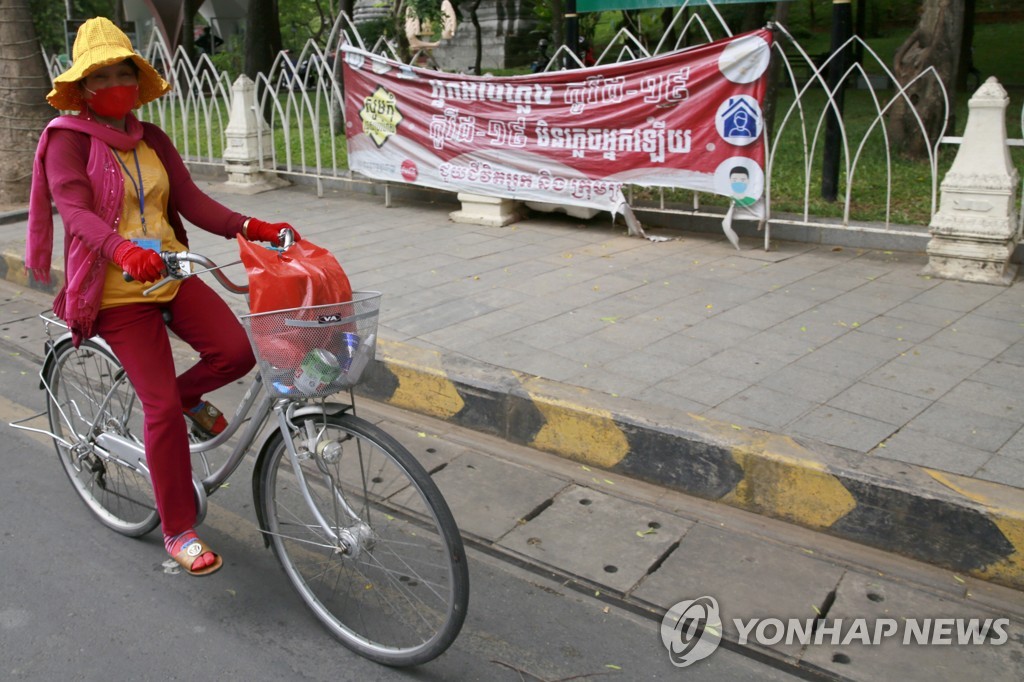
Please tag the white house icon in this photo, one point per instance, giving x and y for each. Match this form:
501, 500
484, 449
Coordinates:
741, 119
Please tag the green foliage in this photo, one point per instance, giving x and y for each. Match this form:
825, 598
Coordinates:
301, 21
49, 18
426, 11
230, 57
372, 30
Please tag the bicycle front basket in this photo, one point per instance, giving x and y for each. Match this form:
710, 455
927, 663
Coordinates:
315, 351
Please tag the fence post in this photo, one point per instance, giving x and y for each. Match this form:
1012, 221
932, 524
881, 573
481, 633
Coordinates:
974, 232
243, 159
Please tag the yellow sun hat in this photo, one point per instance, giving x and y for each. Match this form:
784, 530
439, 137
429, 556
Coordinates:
100, 43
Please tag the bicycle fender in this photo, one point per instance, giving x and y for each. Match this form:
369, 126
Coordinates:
49, 355
257, 474
51, 348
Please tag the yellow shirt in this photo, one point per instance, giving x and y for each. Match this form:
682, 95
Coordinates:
155, 189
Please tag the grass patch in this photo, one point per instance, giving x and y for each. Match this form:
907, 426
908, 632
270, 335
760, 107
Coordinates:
197, 129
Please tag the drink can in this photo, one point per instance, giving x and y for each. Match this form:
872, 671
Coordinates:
349, 344
318, 369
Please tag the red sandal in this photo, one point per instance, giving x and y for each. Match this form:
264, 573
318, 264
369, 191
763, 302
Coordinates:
207, 421
192, 549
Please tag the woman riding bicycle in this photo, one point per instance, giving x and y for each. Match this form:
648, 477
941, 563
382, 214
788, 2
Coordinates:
122, 189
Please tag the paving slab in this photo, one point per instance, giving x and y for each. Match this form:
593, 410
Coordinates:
598, 537
488, 497
876, 598
735, 569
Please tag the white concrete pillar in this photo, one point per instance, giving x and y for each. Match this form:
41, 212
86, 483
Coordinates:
974, 232
478, 209
243, 159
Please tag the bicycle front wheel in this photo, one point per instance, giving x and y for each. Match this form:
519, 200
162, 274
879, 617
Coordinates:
392, 584
89, 394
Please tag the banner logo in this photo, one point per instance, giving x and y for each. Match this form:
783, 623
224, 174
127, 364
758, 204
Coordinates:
380, 116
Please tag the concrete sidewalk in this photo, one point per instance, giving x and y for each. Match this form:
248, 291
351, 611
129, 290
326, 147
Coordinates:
827, 386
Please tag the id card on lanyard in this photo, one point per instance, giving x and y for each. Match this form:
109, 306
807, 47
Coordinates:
151, 243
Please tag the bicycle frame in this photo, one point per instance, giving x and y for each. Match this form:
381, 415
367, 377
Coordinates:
132, 454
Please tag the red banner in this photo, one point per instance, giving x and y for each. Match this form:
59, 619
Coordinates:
690, 119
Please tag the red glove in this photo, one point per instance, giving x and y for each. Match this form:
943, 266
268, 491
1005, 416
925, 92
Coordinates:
261, 231
141, 264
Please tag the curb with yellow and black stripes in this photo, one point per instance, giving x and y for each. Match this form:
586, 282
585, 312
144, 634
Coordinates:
967, 525
964, 524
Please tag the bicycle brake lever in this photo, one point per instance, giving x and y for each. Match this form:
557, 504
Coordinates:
164, 282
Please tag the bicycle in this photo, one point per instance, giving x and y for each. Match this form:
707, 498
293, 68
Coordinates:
359, 527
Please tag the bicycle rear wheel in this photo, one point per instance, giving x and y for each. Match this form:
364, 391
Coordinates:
80, 381
394, 588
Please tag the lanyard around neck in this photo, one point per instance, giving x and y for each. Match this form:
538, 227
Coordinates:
139, 189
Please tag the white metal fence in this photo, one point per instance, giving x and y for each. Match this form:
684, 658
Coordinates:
302, 100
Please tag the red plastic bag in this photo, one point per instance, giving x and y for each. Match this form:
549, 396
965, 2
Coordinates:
303, 276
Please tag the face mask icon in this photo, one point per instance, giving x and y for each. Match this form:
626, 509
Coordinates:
739, 187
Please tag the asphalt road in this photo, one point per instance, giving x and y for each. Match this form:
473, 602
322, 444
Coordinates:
79, 602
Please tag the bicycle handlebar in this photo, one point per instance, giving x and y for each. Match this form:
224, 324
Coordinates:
174, 260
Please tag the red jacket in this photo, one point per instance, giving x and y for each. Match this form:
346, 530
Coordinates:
66, 155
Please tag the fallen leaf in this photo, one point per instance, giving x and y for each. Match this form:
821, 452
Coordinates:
421, 434
610, 320
231, 592
612, 666
958, 579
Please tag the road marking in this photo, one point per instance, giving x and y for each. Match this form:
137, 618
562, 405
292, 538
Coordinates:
11, 411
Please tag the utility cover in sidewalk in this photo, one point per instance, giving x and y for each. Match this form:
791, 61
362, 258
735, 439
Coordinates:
750, 577
598, 537
921, 617
488, 497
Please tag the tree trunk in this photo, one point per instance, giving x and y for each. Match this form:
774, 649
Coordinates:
753, 17
478, 52
557, 23
262, 37
934, 43
24, 83
771, 95
966, 66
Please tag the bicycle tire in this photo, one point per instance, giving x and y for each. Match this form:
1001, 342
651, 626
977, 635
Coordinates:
398, 596
79, 379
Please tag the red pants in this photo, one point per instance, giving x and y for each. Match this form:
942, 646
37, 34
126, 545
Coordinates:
138, 336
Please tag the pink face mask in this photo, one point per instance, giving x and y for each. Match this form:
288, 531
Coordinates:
115, 101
